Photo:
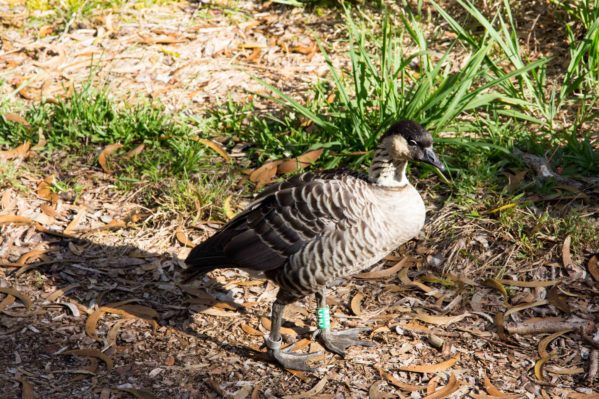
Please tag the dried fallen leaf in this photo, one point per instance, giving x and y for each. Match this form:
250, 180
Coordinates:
566, 254
542, 348
539, 368
113, 333
530, 284
135, 152
594, 268
494, 283
182, 237
524, 306
264, 174
91, 353
18, 152
139, 393
316, 389
6, 302
103, 157
229, 213
17, 294
126, 310
557, 300
493, 391
44, 188
214, 146
216, 311
402, 385
441, 320
73, 224
16, 118
27, 388
299, 163
499, 320
356, 304
564, 370
375, 391
251, 330
386, 273
452, 385
34, 254
432, 368
61, 291
14, 219
266, 323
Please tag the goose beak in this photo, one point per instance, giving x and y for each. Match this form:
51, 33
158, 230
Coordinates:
431, 158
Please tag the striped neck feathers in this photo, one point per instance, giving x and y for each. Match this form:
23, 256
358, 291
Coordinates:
385, 171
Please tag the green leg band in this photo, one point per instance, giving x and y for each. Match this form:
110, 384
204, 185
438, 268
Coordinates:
323, 317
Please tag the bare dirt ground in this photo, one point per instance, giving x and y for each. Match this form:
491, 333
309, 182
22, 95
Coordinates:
90, 306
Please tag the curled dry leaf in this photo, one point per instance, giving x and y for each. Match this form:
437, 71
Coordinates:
264, 174
564, 370
539, 368
219, 312
14, 219
17, 294
126, 310
31, 255
499, 320
452, 385
493, 391
18, 152
134, 152
73, 224
229, 213
542, 348
139, 393
519, 308
432, 368
375, 391
92, 353
219, 149
385, 273
103, 157
594, 268
61, 291
182, 237
16, 118
440, 320
316, 389
251, 330
356, 304
494, 283
26, 388
113, 333
557, 300
566, 254
44, 188
265, 321
6, 302
299, 163
402, 385
530, 284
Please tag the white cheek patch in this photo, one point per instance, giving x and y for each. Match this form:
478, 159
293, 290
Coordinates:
398, 148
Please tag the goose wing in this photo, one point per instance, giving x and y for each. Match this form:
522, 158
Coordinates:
282, 220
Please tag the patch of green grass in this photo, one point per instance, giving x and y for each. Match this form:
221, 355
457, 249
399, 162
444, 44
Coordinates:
77, 129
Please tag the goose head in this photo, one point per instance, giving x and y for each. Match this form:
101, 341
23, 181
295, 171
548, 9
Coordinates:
408, 141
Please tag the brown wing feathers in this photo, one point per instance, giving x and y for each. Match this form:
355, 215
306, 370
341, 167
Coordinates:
279, 223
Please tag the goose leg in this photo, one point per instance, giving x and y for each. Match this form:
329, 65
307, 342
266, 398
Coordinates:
335, 341
286, 358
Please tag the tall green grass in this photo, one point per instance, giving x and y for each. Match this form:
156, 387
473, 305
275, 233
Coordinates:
385, 83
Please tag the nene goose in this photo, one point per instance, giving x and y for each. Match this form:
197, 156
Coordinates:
308, 231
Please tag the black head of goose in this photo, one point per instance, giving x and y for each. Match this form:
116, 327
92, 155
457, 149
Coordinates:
308, 231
